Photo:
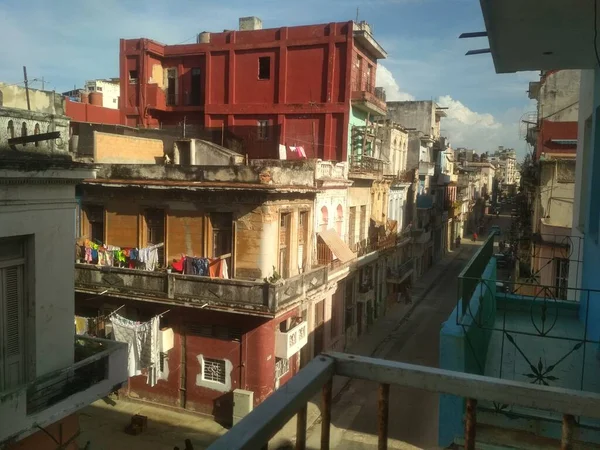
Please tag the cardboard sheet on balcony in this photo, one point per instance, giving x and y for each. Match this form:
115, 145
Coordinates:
338, 247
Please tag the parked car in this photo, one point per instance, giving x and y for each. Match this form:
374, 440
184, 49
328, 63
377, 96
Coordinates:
495, 229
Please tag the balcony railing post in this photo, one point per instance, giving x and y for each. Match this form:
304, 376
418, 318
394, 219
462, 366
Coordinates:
326, 415
470, 424
566, 442
384, 409
301, 429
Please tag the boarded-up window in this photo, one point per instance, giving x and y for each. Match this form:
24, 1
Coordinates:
12, 313
186, 234
284, 245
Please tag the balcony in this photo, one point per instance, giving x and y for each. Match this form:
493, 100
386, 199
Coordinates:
426, 168
256, 429
100, 368
198, 291
331, 170
291, 342
401, 273
523, 332
367, 167
369, 100
421, 236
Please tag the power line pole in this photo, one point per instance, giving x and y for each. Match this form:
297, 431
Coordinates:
26, 88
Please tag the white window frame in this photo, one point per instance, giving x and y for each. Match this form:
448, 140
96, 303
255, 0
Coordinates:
282, 367
208, 383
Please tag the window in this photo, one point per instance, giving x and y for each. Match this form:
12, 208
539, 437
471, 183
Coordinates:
282, 366
324, 218
155, 231
264, 68
133, 77
95, 220
213, 370
302, 239
363, 223
263, 129
352, 226
114, 100
91, 88
36, 130
171, 87
337, 305
339, 220
99, 89
10, 129
221, 224
561, 282
284, 245
13, 301
196, 87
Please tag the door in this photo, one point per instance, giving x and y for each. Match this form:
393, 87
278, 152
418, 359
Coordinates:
319, 327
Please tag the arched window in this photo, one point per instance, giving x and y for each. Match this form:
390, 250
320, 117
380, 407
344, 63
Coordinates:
36, 130
10, 129
24, 130
324, 218
339, 220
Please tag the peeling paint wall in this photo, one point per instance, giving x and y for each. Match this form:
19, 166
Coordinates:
48, 102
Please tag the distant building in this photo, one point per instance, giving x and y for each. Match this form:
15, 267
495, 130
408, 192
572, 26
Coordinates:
109, 88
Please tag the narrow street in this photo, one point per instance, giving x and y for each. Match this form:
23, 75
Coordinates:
413, 413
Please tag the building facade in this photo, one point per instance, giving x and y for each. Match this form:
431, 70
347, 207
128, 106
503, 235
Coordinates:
46, 374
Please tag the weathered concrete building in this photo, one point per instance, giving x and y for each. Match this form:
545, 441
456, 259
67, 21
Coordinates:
46, 374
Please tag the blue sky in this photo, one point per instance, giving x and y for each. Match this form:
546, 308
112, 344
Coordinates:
69, 41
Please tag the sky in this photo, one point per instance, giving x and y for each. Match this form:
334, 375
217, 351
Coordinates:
69, 41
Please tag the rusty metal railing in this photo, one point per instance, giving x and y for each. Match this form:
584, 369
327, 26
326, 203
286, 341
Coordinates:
256, 429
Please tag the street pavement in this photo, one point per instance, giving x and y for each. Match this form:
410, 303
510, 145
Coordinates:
413, 413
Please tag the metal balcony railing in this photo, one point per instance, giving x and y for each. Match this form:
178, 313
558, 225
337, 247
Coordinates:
365, 164
255, 430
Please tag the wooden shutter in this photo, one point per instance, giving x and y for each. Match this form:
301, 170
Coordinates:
13, 329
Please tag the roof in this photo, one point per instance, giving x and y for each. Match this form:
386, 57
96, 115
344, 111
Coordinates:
556, 137
338, 247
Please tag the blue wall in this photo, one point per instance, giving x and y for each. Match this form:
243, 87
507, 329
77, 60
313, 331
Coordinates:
591, 247
463, 348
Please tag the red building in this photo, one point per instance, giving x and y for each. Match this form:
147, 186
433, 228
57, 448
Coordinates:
289, 86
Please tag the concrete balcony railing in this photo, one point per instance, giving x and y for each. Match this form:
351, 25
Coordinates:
402, 272
331, 170
291, 342
197, 290
100, 368
256, 429
370, 100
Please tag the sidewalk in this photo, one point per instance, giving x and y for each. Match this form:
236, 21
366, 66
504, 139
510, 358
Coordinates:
374, 341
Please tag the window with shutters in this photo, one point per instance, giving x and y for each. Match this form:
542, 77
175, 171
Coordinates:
284, 245
95, 220
302, 240
12, 313
155, 223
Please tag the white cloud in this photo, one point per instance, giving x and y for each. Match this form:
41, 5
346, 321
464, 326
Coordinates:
479, 131
386, 80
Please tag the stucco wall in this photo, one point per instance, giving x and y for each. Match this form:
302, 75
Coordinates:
358, 118
331, 200
556, 196
357, 197
45, 214
40, 101
116, 149
11, 126
559, 95
414, 114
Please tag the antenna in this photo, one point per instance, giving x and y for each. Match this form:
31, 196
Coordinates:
357, 14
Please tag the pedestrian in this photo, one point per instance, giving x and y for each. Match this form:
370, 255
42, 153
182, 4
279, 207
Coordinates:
407, 298
474, 237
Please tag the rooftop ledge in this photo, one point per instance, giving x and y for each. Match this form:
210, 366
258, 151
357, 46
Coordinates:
252, 297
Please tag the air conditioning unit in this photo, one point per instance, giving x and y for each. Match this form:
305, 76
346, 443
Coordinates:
243, 403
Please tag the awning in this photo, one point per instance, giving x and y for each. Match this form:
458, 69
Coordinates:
338, 247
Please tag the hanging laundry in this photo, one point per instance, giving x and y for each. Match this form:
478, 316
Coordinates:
215, 268
81, 325
178, 266
282, 152
143, 345
88, 255
224, 270
301, 152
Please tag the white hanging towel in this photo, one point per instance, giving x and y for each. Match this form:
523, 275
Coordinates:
143, 345
282, 152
